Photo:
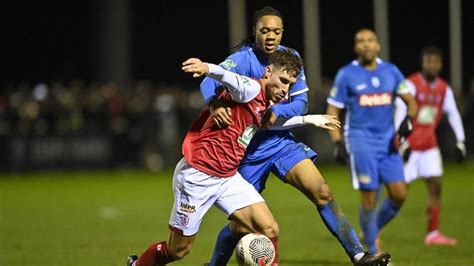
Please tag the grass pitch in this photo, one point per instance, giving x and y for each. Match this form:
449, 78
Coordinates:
100, 217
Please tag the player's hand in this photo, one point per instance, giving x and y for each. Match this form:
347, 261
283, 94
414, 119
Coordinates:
328, 122
460, 151
220, 112
268, 119
406, 127
340, 152
405, 151
195, 66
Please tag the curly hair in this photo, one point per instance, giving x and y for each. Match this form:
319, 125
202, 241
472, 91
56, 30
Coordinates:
286, 60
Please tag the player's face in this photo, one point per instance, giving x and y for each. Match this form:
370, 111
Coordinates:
278, 83
366, 45
268, 32
431, 65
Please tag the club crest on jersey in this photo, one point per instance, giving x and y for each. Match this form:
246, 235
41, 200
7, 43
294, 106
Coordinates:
228, 64
364, 179
375, 82
375, 99
247, 135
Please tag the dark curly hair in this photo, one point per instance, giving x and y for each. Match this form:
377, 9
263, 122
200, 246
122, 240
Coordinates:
286, 60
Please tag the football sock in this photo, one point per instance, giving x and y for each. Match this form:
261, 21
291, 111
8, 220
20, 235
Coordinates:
275, 246
387, 211
433, 218
156, 253
337, 224
368, 223
225, 244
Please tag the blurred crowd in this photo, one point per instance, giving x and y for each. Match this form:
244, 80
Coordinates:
144, 124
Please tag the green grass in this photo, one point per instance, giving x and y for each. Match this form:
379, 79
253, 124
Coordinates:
99, 217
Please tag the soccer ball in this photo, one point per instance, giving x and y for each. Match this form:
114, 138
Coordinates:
254, 249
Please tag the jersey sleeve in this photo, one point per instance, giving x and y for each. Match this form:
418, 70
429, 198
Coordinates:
300, 85
298, 105
241, 88
338, 94
452, 113
209, 87
401, 87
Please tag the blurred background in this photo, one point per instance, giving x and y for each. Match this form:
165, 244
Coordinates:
98, 84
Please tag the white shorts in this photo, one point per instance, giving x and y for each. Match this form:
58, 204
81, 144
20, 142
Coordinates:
423, 164
195, 192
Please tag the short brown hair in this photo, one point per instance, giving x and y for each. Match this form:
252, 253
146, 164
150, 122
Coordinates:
286, 60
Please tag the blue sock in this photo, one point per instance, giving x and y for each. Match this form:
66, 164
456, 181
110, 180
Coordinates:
338, 225
368, 223
387, 211
225, 244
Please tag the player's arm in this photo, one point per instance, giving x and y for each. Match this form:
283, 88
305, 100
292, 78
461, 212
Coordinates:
406, 92
323, 121
242, 89
210, 88
454, 119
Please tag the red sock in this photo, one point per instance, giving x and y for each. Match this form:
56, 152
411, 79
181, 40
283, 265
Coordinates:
156, 253
275, 245
433, 218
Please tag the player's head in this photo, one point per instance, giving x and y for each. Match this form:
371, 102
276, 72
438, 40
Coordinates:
283, 68
431, 61
366, 45
267, 29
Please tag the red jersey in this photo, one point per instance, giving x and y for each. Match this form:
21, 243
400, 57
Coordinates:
430, 99
218, 151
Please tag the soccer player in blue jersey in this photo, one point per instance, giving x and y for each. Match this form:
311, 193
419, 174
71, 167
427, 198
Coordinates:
366, 89
278, 151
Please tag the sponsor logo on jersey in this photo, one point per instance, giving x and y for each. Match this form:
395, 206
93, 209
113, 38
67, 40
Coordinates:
185, 207
375, 99
247, 135
361, 86
228, 64
245, 80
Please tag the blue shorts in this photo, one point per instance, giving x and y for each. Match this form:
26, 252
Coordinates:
370, 169
280, 163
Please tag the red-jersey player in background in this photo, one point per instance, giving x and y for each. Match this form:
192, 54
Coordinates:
434, 97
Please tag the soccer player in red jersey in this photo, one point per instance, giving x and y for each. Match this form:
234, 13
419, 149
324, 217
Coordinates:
434, 97
207, 175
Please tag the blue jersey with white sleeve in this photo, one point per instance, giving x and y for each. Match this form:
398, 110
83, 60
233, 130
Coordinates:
368, 96
246, 62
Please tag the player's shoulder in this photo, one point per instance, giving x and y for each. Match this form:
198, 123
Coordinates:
240, 58
387, 65
281, 47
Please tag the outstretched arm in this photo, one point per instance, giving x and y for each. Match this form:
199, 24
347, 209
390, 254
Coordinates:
242, 89
323, 121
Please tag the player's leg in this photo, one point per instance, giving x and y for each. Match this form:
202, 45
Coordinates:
306, 178
256, 173
431, 167
244, 205
392, 174
190, 205
363, 166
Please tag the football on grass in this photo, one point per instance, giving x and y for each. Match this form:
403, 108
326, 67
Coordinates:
254, 249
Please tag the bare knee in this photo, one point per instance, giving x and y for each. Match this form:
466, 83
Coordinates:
270, 229
179, 250
324, 195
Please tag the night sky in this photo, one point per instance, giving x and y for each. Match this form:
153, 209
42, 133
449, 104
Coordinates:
58, 41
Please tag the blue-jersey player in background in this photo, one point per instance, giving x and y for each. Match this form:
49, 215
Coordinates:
278, 151
366, 89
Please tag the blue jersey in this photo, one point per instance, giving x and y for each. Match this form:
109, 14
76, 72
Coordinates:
246, 62
368, 96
